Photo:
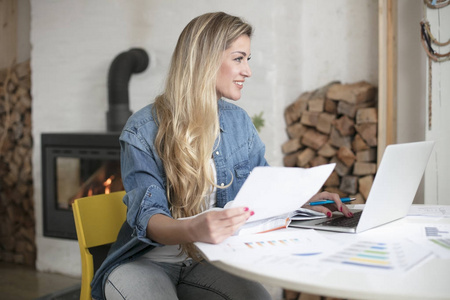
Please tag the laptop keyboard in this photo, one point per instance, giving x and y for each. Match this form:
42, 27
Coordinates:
343, 221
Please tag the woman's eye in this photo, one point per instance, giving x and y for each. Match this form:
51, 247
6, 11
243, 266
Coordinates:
239, 59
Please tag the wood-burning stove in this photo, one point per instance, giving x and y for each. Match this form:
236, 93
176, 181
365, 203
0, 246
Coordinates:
76, 165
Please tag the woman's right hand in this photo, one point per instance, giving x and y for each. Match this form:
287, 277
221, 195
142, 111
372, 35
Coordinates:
217, 225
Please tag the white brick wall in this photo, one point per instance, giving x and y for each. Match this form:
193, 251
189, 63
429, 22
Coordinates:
297, 46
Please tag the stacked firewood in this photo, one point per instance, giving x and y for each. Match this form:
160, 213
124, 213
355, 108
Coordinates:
336, 124
17, 221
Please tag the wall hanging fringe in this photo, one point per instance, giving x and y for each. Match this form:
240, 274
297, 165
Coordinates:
427, 40
436, 4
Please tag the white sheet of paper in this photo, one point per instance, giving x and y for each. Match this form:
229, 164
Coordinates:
287, 242
433, 236
273, 191
386, 254
430, 210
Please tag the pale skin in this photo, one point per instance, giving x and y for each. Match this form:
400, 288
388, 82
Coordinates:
329, 208
215, 226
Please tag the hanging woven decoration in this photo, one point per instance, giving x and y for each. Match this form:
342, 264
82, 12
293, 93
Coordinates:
427, 36
436, 4
428, 40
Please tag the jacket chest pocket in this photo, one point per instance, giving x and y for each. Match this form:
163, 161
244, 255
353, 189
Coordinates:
242, 171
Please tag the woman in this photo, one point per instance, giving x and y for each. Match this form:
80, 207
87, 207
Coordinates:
186, 152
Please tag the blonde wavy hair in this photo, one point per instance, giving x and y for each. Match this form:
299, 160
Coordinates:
187, 112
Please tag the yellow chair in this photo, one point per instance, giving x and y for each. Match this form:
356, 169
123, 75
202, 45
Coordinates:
98, 220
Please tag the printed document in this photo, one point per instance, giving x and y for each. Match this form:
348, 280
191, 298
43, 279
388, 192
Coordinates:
288, 242
275, 193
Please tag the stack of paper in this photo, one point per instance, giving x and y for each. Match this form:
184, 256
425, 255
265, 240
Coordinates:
276, 194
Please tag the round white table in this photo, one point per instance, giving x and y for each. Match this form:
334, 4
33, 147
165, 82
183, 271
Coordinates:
430, 279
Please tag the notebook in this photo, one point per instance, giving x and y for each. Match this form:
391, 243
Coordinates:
392, 193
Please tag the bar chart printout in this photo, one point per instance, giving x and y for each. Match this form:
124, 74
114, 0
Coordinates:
394, 255
439, 235
263, 244
288, 242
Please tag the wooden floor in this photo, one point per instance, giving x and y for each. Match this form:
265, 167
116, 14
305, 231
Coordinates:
24, 283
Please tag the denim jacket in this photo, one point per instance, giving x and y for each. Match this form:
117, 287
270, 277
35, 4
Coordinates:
238, 150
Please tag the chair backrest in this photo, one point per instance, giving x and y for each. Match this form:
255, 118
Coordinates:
98, 220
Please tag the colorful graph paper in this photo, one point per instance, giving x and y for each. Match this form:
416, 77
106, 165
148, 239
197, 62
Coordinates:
380, 255
272, 243
438, 235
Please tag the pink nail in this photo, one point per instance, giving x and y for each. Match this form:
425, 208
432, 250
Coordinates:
340, 209
252, 213
329, 214
245, 208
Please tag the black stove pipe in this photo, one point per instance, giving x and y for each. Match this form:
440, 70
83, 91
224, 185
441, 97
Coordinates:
134, 60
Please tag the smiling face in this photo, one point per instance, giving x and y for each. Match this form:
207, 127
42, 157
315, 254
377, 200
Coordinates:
234, 69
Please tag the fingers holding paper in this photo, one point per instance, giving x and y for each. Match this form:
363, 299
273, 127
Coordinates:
212, 226
329, 208
215, 226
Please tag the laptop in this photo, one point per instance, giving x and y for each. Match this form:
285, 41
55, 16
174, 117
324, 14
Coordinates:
392, 193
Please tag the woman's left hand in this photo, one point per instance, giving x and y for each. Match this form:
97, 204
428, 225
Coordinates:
328, 208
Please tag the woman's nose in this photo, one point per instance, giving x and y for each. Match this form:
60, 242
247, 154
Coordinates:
247, 71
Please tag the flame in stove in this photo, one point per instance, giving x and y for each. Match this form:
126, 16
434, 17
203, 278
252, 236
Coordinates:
99, 183
107, 184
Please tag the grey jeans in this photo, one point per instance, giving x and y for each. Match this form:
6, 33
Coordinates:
146, 279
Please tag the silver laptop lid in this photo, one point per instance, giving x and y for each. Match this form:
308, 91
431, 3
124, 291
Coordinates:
396, 183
